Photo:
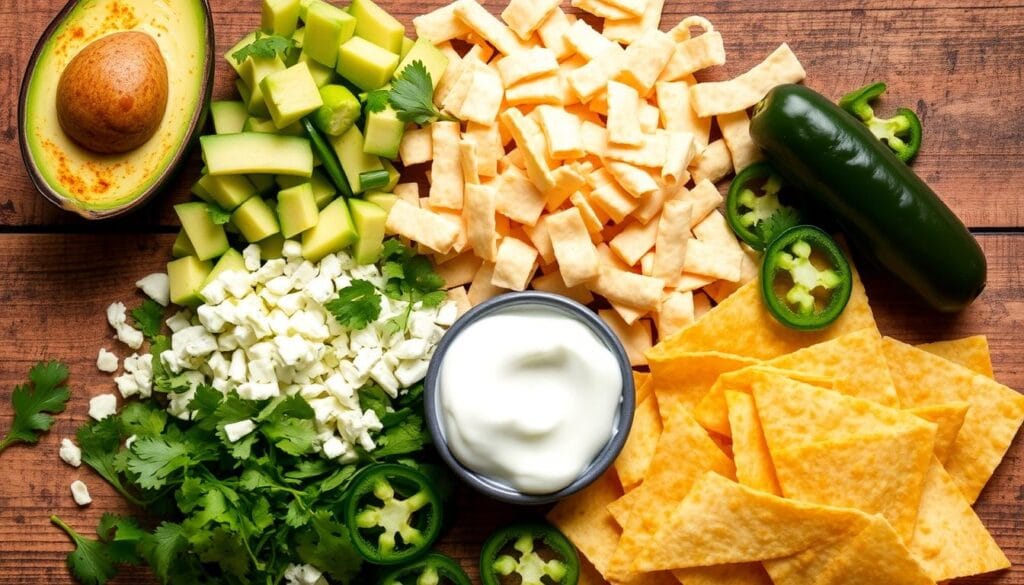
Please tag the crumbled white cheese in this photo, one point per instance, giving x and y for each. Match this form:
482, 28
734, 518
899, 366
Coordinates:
157, 287
80, 492
237, 430
102, 406
126, 334
304, 575
70, 453
130, 441
251, 257
106, 361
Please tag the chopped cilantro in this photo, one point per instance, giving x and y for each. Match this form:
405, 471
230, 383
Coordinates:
149, 318
218, 214
356, 306
412, 96
35, 402
264, 46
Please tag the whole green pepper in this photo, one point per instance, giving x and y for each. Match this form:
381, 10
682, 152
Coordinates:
901, 133
883, 207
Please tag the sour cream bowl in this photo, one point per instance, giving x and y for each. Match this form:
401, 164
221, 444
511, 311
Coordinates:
488, 378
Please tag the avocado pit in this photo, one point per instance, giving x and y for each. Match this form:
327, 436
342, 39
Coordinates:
112, 96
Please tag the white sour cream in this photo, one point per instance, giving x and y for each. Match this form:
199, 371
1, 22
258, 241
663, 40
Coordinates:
529, 397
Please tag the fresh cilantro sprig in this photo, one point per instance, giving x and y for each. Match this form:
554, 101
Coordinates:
356, 305
264, 46
411, 95
35, 403
149, 317
218, 215
778, 222
94, 561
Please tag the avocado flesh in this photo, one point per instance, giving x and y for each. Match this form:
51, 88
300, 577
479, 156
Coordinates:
384, 133
186, 276
208, 239
228, 116
100, 186
231, 261
291, 94
280, 17
365, 64
327, 27
374, 24
296, 209
354, 160
255, 220
432, 58
332, 233
369, 220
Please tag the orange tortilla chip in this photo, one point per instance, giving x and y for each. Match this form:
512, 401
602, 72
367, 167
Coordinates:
735, 574
583, 518
970, 352
640, 382
636, 454
721, 522
684, 453
621, 508
754, 467
924, 379
741, 325
685, 378
950, 540
949, 418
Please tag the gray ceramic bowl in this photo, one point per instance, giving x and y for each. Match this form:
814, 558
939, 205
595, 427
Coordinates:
623, 421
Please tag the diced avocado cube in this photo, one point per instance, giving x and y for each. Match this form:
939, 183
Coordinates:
244, 42
332, 233
254, 69
290, 94
304, 7
271, 246
340, 110
208, 238
383, 200
432, 58
374, 24
323, 189
182, 246
384, 133
369, 220
296, 209
349, 148
228, 116
253, 152
365, 64
280, 17
186, 276
228, 191
393, 175
267, 126
230, 261
322, 74
255, 220
264, 183
243, 92
407, 44
200, 191
327, 27
299, 36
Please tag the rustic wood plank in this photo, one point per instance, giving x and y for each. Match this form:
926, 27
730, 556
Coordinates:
958, 64
58, 286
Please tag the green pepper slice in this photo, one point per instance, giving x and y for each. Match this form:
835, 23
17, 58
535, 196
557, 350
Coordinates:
901, 133
758, 218
392, 513
798, 292
513, 549
433, 569
327, 157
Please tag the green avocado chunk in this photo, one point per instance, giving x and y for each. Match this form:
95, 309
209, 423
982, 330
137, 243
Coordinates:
432, 58
354, 160
374, 24
208, 238
228, 116
280, 17
186, 276
332, 233
341, 109
296, 209
365, 64
255, 152
231, 260
383, 200
369, 220
182, 247
255, 219
384, 133
327, 27
290, 94
228, 191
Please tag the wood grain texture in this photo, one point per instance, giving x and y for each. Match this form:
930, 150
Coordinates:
56, 290
957, 63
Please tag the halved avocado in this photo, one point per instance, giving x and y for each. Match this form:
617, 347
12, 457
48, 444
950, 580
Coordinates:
98, 185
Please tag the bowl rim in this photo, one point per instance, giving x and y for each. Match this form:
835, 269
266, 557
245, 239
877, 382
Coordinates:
622, 425
195, 124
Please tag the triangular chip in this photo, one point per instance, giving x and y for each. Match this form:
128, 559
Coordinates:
754, 467
584, 519
685, 378
685, 452
793, 413
741, 325
970, 352
713, 413
736, 574
881, 473
948, 418
635, 457
721, 522
855, 360
621, 508
950, 541
643, 385
996, 412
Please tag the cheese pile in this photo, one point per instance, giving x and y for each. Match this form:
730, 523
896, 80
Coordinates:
586, 158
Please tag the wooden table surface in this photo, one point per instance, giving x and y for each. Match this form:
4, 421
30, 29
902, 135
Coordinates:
957, 62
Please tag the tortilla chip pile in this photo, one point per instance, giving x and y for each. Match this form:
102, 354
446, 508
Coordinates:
762, 455
584, 162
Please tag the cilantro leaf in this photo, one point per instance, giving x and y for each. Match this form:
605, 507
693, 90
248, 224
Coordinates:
373, 397
163, 380
34, 403
265, 46
100, 442
778, 222
90, 562
122, 536
218, 214
326, 546
149, 317
408, 436
412, 96
142, 419
154, 459
291, 435
164, 548
356, 305
377, 100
